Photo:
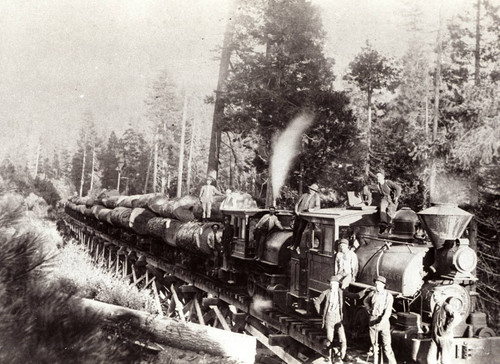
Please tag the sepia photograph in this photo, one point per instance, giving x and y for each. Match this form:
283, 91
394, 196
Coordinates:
250, 181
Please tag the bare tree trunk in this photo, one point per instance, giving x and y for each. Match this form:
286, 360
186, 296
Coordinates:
369, 134
190, 156
477, 52
437, 86
148, 172
83, 164
93, 167
37, 160
183, 141
213, 153
155, 165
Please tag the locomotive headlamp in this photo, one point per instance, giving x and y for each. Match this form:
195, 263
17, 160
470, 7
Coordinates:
464, 258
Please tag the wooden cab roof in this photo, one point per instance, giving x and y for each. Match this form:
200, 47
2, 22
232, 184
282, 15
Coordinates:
340, 216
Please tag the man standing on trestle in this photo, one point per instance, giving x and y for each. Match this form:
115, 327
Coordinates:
379, 305
333, 299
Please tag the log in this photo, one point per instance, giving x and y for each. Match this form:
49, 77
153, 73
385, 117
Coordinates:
184, 335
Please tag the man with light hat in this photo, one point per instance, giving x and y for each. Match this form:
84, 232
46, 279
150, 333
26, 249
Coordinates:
309, 201
333, 299
346, 264
379, 306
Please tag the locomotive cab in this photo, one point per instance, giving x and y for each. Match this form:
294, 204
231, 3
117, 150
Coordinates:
309, 271
244, 244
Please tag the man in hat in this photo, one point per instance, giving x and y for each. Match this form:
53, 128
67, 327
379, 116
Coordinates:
214, 241
379, 306
346, 264
265, 225
332, 315
309, 201
389, 194
445, 317
207, 194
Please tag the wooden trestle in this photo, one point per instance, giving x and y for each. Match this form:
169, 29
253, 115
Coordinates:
191, 297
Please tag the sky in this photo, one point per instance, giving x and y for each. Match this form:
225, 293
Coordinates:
61, 59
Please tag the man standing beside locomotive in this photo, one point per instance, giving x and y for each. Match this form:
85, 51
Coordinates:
389, 194
346, 264
214, 242
379, 305
444, 318
207, 194
309, 201
266, 223
332, 315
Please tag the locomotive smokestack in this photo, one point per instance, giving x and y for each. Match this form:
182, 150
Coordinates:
444, 222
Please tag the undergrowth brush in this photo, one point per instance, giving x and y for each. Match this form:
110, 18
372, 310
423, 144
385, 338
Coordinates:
92, 280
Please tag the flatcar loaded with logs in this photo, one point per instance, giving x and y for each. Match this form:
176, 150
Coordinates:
424, 252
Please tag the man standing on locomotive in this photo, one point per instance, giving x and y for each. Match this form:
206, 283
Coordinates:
332, 315
265, 225
309, 201
379, 305
389, 195
346, 264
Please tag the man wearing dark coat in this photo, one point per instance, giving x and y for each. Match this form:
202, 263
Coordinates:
389, 194
333, 299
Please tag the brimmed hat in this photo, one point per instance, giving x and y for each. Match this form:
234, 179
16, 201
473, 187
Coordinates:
343, 241
314, 187
213, 225
380, 279
334, 279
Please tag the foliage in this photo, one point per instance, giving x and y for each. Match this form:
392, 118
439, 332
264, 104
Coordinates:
134, 153
164, 104
40, 319
108, 162
278, 69
91, 280
47, 191
371, 71
87, 144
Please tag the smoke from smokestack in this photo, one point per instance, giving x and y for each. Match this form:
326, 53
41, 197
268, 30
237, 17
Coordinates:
286, 147
452, 189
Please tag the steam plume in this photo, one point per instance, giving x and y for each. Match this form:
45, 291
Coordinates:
286, 147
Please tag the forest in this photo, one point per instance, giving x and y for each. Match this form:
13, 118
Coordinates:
429, 120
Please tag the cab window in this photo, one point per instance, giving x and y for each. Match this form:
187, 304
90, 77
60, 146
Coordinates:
328, 237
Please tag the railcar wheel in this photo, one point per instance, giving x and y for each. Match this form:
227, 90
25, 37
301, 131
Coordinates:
251, 284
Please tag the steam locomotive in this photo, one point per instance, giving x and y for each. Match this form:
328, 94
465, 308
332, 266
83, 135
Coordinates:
422, 252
